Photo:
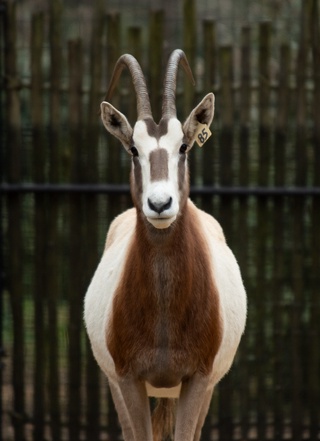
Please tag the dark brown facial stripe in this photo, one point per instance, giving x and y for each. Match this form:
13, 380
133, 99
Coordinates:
154, 130
182, 171
163, 127
136, 176
159, 164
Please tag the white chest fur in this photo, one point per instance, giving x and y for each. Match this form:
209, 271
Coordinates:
100, 294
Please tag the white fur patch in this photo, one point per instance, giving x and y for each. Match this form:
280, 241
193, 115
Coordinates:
159, 192
99, 296
172, 392
161, 223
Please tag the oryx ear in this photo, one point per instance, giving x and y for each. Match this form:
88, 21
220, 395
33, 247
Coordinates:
116, 123
202, 114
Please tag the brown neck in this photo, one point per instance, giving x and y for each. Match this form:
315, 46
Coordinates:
162, 239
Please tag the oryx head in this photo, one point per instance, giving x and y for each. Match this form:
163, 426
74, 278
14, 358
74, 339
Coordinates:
159, 178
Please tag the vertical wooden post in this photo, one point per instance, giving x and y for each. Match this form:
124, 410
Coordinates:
264, 103
209, 153
113, 42
53, 211
226, 208
209, 54
227, 114
39, 158
13, 175
299, 232
55, 78
134, 48
262, 222
91, 234
3, 21
155, 51
76, 276
243, 239
314, 351
278, 233
189, 47
114, 146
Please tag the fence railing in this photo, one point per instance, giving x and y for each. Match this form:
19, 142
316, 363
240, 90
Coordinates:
64, 180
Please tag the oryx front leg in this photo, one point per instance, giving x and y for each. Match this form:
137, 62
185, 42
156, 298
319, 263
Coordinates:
137, 404
203, 414
193, 399
122, 411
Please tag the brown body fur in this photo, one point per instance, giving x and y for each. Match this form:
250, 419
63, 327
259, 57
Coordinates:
166, 310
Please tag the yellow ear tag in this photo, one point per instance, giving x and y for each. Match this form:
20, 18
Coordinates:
202, 134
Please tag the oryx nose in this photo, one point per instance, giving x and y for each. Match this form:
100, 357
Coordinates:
159, 207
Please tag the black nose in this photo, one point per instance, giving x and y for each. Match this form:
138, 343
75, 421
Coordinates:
159, 207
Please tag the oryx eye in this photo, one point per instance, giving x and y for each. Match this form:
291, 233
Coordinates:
134, 151
183, 148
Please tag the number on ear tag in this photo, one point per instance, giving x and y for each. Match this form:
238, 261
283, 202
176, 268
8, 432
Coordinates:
202, 134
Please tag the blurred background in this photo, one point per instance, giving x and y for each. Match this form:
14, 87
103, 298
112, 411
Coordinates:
64, 179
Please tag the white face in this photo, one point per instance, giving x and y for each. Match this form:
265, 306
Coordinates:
159, 170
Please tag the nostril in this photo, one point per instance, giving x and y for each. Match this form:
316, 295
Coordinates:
152, 206
167, 205
159, 207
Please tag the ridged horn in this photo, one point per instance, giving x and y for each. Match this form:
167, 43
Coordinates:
170, 81
139, 83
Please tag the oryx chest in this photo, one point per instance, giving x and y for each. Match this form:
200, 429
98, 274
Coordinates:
165, 322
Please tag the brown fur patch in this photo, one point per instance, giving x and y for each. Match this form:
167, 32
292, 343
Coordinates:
182, 171
156, 130
136, 181
159, 169
166, 323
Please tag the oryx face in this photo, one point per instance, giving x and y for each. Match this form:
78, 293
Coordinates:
159, 179
159, 174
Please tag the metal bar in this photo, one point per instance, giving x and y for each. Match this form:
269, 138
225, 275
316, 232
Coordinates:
64, 188
125, 189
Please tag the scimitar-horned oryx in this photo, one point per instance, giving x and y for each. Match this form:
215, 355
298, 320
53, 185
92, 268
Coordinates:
166, 307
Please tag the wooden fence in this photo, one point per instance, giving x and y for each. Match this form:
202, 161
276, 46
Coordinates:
64, 180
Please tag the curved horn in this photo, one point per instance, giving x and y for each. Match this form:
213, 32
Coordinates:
139, 83
170, 81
